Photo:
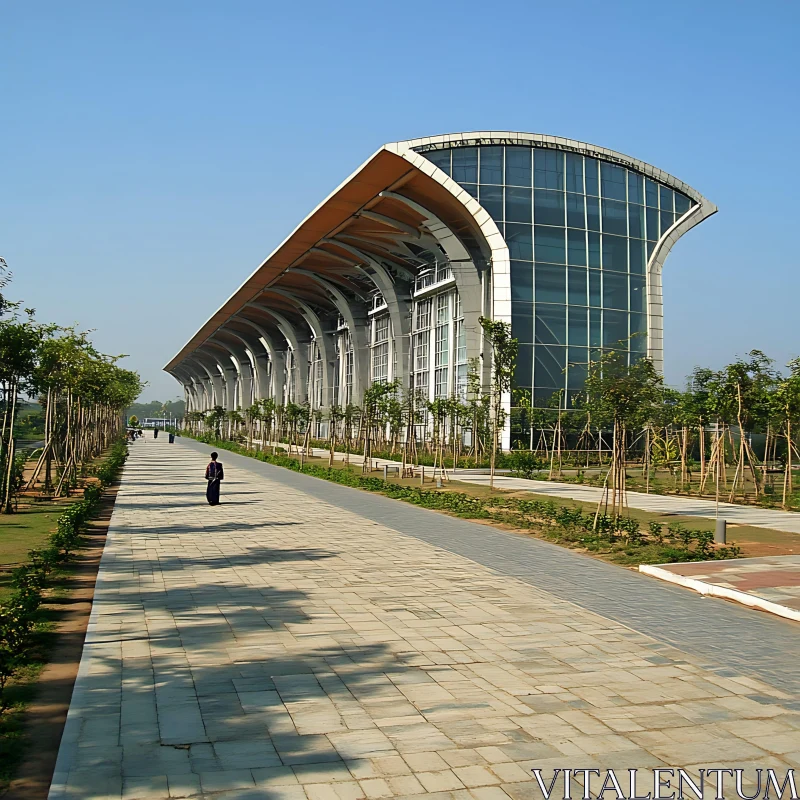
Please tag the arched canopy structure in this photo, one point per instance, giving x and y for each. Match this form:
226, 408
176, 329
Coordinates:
387, 278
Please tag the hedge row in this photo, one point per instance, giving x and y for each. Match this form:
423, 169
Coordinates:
570, 523
19, 613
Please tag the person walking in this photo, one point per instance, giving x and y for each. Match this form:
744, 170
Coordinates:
214, 474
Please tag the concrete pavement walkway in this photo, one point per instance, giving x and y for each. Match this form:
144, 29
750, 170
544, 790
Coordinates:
298, 641
661, 504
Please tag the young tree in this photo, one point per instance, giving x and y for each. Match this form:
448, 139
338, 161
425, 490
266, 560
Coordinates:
623, 397
740, 394
504, 355
373, 398
20, 340
785, 401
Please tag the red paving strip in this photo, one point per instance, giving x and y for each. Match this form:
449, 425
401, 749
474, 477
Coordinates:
771, 583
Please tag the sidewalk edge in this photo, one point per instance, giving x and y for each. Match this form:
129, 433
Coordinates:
711, 590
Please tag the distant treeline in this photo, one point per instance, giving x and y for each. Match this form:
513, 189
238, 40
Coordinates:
175, 408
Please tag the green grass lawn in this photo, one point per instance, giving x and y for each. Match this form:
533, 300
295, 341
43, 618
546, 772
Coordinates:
20, 532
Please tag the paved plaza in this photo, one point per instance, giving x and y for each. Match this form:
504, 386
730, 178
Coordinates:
306, 640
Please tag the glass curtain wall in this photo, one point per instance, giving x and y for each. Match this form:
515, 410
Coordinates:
580, 232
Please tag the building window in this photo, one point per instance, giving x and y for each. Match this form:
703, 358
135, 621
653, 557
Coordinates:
421, 384
336, 377
442, 341
348, 368
423, 315
421, 350
461, 342
440, 387
442, 308
461, 382
380, 351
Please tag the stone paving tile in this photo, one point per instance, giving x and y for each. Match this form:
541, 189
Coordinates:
721, 635
283, 646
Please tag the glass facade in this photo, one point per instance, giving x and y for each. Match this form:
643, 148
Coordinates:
580, 232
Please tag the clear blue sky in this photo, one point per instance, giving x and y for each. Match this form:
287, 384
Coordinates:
154, 153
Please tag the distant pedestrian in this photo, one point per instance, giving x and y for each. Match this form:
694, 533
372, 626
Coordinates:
214, 474
155, 433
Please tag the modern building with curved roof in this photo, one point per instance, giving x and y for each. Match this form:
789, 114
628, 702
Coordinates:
388, 277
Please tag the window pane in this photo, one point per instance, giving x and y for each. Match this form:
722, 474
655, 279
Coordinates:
635, 188
682, 204
594, 249
523, 368
520, 241
549, 366
578, 326
545, 397
652, 224
441, 158
615, 217
548, 207
548, 244
667, 219
593, 213
465, 164
577, 360
548, 169
576, 216
590, 168
522, 322
491, 159
615, 290
576, 286
650, 247
518, 205
576, 247
615, 329
638, 265
491, 198
491, 165
615, 253
574, 173
666, 198
551, 283
518, 166
651, 193
595, 329
522, 281
472, 188
636, 221
638, 324
551, 324
613, 181
638, 294
594, 288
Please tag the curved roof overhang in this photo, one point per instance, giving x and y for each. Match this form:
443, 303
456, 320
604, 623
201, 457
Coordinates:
393, 205
365, 219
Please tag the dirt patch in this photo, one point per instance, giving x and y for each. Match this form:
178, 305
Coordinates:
45, 715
